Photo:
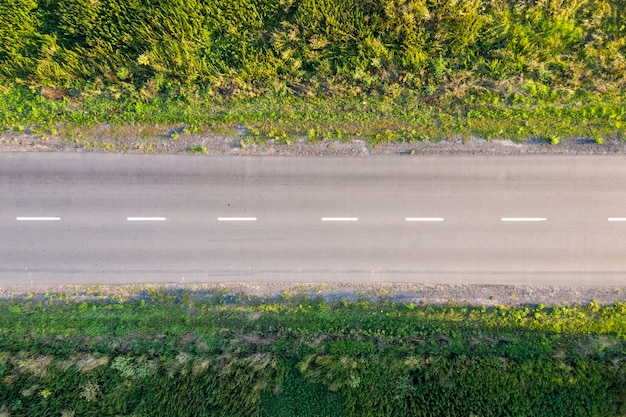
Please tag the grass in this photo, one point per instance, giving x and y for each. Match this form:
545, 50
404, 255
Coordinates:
181, 353
288, 119
380, 71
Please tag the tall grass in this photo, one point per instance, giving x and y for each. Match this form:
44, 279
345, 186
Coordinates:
180, 354
247, 47
382, 70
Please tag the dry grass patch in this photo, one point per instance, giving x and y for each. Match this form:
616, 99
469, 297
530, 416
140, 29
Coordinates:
38, 365
87, 362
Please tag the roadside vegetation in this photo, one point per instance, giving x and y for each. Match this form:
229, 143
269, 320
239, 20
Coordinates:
180, 353
378, 70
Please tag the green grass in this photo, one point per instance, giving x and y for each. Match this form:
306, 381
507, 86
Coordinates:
179, 353
378, 70
288, 119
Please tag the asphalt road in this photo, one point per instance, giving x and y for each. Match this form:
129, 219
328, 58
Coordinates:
105, 218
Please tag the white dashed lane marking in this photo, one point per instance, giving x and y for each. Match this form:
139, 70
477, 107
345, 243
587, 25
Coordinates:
524, 219
324, 219
37, 218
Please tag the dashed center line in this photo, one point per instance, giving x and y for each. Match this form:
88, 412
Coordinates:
37, 218
324, 219
524, 219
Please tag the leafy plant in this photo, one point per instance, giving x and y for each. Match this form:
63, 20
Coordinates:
198, 149
554, 139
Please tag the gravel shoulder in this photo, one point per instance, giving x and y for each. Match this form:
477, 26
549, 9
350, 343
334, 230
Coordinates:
162, 142
418, 294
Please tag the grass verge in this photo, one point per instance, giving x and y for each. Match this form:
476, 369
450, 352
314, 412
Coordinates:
209, 354
289, 119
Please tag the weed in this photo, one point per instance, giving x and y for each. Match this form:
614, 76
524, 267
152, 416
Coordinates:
198, 149
554, 139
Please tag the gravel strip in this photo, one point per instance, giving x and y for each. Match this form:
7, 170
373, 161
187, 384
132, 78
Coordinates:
237, 145
419, 294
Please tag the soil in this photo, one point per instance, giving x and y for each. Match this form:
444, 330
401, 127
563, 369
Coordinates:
236, 145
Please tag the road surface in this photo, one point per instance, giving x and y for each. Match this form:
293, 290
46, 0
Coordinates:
109, 218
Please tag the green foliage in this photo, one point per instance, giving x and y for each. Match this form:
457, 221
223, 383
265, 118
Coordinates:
376, 120
299, 396
18, 38
198, 149
554, 139
241, 48
378, 70
189, 354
